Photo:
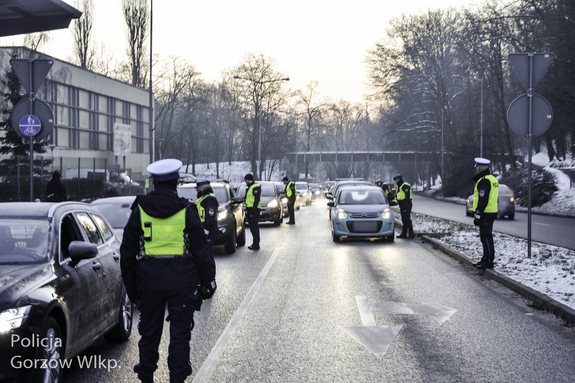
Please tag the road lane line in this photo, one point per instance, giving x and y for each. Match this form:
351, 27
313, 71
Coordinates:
213, 359
542, 224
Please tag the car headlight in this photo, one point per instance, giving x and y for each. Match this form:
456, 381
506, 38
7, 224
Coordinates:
273, 203
386, 214
317, 192
341, 214
511, 199
222, 215
13, 318
284, 201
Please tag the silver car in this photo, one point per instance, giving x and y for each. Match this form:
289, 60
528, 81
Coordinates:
505, 205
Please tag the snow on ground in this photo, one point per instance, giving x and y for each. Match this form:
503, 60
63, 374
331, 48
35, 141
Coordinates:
550, 270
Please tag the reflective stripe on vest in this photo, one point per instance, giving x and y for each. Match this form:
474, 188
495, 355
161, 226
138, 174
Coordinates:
493, 195
201, 210
288, 189
401, 193
250, 199
163, 236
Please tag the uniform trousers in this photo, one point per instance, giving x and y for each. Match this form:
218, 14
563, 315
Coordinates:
152, 314
253, 221
291, 211
486, 236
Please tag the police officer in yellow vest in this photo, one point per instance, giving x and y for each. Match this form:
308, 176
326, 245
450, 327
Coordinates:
165, 261
385, 187
404, 197
253, 204
207, 205
485, 197
290, 192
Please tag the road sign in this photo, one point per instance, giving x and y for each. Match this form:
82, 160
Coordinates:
518, 115
40, 109
30, 125
541, 62
38, 72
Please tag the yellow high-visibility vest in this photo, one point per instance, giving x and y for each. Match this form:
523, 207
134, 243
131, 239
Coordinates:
163, 236
493, 194
201, 210
250, 199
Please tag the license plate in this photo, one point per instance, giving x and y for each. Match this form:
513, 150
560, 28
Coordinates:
365, 227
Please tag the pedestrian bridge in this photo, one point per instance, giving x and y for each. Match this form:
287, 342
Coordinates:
360, 156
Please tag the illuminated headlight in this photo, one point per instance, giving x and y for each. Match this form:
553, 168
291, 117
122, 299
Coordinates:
512, 199
222, 215
386, 214
341, 214
273, 203
13, 318
317, 192
284, 201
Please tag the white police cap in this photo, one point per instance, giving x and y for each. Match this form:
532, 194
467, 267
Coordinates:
481, 161
165, 170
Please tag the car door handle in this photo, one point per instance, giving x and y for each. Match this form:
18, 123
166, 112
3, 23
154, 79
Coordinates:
96, 265
116, 257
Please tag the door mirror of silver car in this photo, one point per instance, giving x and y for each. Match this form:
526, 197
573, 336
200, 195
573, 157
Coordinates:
331, 204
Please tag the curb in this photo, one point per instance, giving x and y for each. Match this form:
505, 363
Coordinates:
539, 299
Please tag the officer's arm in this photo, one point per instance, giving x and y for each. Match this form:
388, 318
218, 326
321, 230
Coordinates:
483, 189
129, 253
293, 190
257, 195
199, 248
211, 210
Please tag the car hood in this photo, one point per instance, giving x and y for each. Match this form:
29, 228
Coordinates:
362, 208
17, 280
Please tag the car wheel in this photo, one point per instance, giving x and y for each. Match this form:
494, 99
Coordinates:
51, 351
336, 238
230, 246
241, 240
123, 329
511, 216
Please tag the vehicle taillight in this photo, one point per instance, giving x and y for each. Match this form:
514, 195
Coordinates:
511, 199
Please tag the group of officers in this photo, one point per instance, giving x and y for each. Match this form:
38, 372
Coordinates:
167, 252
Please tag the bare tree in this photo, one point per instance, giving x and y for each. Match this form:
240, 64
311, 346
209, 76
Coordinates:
82, 33
137, 20
35, 41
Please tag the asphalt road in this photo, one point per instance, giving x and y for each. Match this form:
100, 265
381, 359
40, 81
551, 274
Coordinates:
547, 229
305, 309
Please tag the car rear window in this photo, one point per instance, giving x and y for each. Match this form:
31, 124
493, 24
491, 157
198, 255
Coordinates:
23, 240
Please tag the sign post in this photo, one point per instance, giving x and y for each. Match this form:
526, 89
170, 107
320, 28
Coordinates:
530, 114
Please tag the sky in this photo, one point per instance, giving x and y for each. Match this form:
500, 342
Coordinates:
311, 40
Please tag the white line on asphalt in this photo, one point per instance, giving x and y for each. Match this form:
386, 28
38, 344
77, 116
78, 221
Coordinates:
542, 224
213, 359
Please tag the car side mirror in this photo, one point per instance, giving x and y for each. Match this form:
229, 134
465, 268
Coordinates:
331, 204
79, 250
392, 203
329, 196
238, 200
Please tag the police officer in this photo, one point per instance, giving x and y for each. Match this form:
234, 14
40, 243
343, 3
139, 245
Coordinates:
386, 189
290, 193
165, 261
253, 204
55, 190
485, 197
207, 205
404, 197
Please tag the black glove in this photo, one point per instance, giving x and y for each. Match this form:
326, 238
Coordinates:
208, 290
477, 218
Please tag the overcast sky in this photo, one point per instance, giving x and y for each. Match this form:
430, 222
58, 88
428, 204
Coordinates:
321, 40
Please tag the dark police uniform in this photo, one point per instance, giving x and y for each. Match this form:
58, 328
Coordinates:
165, 261
253, 204
485, 198
207, 205
290, 192
404, 196
55, 190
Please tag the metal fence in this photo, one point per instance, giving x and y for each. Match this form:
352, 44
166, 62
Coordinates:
85, 179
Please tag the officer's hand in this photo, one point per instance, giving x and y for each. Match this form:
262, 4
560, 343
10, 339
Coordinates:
476, 222
477, 215
209, 290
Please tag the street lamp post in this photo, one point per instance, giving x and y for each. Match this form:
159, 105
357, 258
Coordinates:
481, 112
259, 113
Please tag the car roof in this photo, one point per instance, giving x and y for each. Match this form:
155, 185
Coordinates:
114, 200
359, 187
193, 184
39, 209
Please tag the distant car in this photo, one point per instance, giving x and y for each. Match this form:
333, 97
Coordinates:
362, 211
304, 192
272, 210
61, 288
315, 191
505, 205
116, 210
231, 216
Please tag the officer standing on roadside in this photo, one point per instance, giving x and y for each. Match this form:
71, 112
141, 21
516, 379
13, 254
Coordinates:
207, 205
290, 193
404, 197
165, 261
253, 204
485, 197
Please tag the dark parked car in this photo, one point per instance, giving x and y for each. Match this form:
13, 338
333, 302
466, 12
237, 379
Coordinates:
272, 208
505, 204
231, 216
61, 287
117, 211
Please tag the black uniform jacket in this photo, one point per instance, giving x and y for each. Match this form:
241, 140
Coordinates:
485, 186
211, 207
55, 191
161, 274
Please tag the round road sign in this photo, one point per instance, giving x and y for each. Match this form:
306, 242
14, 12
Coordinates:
518, 115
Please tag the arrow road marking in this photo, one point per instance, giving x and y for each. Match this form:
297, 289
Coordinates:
377, 339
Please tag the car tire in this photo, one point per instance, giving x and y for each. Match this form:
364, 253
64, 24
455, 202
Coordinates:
241, 240
230, 246
511, 215
336, 238
54, 351
123, 329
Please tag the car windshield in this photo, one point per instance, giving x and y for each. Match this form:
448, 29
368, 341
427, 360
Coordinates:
191, 193
23, 241
268, 190
361, 197
116, 213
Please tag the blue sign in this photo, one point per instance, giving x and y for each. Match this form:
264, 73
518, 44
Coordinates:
30, 125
